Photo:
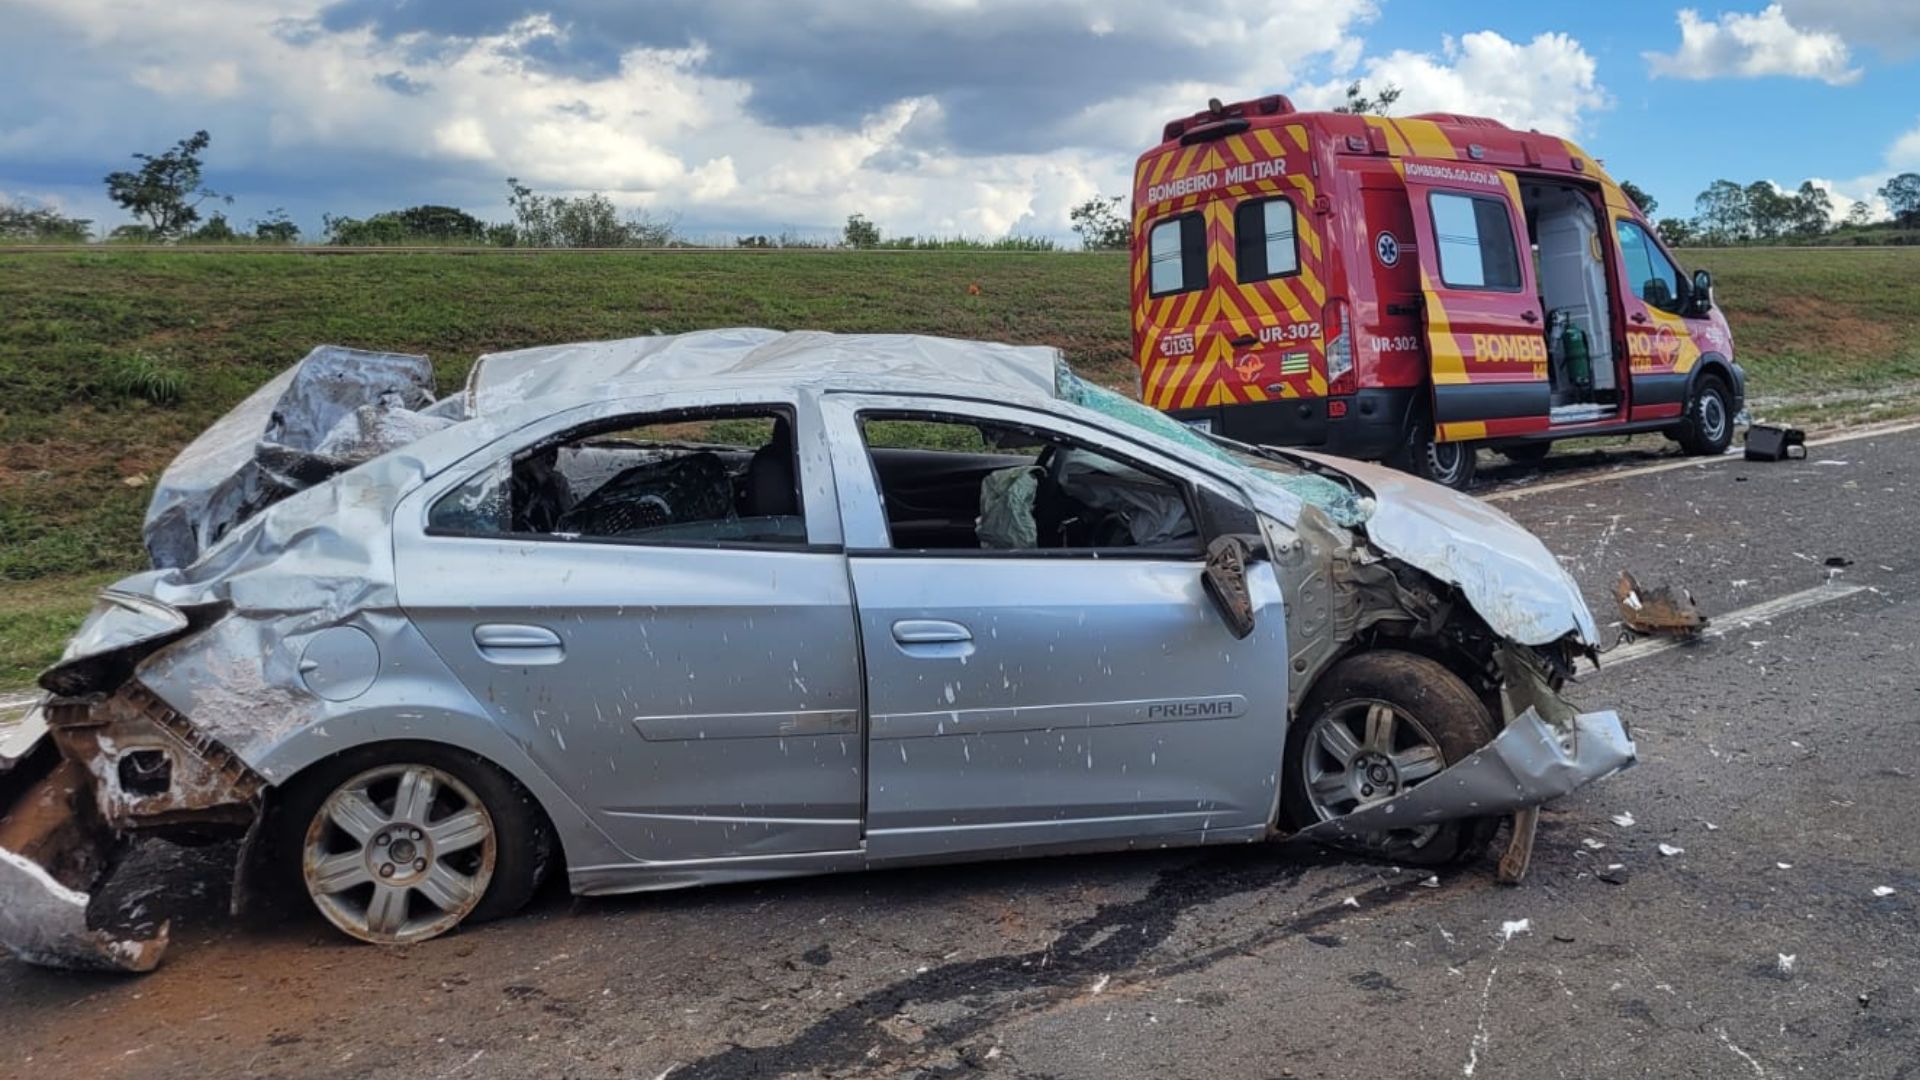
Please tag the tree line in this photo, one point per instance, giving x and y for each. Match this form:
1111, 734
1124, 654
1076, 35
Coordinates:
1761, 212
165, 194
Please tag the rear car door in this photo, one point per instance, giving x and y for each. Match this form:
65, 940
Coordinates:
663, 621
1073, 688
1486, 345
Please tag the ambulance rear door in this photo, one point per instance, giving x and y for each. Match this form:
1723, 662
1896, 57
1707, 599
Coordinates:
1486, 346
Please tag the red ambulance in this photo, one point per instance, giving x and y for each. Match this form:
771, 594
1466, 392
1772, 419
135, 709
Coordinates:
1412, 290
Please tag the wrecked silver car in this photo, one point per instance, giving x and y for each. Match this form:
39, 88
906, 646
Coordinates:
745, 604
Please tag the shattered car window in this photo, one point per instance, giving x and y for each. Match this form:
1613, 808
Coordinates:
691, 477
1340, 501
957, 484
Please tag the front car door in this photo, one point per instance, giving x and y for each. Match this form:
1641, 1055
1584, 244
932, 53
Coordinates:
1661, 347
628, 593
1044, 670
1485, 340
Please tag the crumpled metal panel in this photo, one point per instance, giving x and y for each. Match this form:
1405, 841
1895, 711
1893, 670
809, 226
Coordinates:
1527, 764
266, 447
1503, 570
44, 922
798, 358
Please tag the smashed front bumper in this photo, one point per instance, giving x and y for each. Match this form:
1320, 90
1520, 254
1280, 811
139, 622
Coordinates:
80, 776
1529, 763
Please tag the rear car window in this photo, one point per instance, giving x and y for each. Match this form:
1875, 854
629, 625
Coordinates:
1475, 237
1266, 244
1177, 255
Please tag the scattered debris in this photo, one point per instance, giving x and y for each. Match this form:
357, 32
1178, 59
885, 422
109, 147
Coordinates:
1784, 865
1663, 612
1614, 874
1564, 939
1785, 965
1883, 890
1099, 984
1432, 882
1669, 850
1592, 844
1838, 562
1350, 902
1515, 926
1624, 820
1765, 442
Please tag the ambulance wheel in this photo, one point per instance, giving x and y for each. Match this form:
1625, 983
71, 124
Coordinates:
1527, 453
1449, 464
1708, 427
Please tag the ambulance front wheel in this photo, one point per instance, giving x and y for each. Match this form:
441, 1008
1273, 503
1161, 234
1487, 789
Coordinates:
1708, 424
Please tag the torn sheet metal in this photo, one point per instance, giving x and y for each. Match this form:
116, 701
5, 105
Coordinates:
1526, 765
1504, 571
1666, 611
268, 446
51, 853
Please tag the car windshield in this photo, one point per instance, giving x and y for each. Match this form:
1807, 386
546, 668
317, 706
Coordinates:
1341, 501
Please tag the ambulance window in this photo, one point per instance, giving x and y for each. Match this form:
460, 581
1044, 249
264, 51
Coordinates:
1475, 236
1653, 276
1177, 255
1265, 245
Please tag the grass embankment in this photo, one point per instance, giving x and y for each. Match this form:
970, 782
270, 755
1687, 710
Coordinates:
111, 361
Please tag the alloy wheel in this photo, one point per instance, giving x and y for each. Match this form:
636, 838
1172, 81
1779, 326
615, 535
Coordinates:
399, 853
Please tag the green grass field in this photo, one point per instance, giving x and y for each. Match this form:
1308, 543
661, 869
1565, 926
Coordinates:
110, 361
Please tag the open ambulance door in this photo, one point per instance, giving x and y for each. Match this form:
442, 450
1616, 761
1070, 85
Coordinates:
1486, 342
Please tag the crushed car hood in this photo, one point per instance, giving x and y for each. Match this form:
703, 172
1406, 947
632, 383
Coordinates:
1504, 571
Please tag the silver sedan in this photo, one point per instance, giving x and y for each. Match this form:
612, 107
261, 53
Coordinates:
745, 604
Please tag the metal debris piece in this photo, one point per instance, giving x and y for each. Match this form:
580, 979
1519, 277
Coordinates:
1667, 611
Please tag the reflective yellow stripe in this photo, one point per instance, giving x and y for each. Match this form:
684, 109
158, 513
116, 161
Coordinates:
1426, 139
1299, 136
1462, 431
1268, 143
1396, 145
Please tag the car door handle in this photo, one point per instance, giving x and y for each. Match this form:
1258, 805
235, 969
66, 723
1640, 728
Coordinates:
1530, 316
1639, 316
516, 643
933, 639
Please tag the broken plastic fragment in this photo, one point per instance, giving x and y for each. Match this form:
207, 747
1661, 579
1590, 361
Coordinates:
1624, 820
1883, 890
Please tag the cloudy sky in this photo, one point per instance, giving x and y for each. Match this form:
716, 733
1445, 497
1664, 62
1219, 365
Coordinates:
980, 117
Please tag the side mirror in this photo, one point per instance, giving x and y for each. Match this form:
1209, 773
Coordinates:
1702, 299
1225, 579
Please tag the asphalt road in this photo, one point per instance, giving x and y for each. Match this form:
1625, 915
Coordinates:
1780, 764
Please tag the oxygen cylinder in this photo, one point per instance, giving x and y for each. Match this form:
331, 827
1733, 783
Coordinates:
1579, 360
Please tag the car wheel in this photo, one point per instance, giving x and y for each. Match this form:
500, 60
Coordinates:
1528, 453
1449, 464
1376, 725
401, 843
1708, 427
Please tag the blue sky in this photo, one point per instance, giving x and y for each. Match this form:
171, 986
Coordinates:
950, 116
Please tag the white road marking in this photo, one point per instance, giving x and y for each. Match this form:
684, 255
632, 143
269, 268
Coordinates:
1689, 463
1733, 620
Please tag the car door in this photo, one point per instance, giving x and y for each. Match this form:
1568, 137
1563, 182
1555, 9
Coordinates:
1661, 350
1022, 698
1485, 340
700, 697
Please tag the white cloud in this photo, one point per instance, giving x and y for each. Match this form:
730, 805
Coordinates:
1751, 46
1890, 26
357, 118
1904, 154
1548, 83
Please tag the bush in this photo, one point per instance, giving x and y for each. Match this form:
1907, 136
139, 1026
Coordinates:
860, 233
40, 224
